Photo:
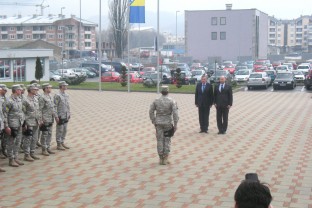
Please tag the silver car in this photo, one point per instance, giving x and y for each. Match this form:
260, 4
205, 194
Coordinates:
258, 79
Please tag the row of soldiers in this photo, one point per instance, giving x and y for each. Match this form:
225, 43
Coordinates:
24, 117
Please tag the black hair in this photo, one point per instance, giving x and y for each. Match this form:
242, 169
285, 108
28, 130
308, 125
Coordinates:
164, 92
252, 194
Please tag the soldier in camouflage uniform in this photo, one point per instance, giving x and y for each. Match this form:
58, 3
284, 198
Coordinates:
61, 102
23, 97
48, 114
3, 136
13, 120
1, 122
32, 122
166, 111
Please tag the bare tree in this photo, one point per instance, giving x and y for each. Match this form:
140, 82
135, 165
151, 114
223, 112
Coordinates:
118, 16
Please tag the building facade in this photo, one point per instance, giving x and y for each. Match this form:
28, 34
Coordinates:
19, 65
235, 35
66, 33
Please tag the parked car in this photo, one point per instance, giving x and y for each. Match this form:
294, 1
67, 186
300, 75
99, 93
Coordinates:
54, 76
137, 67
151, 79
282, 68
284, 79
80, 72
215, 78
240, 67
290, 66
258, 79
308, 80
117, 65
259, 64
110, 77
67, 73
186, 78
134, 77
147, 69
197, 74
271, 74
241, 76
305, 67
95, 65
299, 76
230, 68
261, 69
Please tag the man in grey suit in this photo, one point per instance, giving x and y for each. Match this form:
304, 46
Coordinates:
223, 100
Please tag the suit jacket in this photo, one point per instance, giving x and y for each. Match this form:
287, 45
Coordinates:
204, 99
225, 97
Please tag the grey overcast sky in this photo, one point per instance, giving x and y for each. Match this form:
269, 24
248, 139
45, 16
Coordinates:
281, 9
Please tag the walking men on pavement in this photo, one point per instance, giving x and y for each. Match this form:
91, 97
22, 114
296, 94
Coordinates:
204, 101
13, 121
165, 121
48, 114
61, 102
32, 122
223, 100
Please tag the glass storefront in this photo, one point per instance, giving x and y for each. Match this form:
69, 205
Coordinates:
5, 69
19, 70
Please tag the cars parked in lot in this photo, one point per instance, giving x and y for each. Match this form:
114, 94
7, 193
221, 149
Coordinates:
117, 65
67, 73
230, 68
241, 76
215, 78
147, 69
110, 77
197, 74
305, 67
186, 78
151, 80
299, 76
134, 77
284, 80
258, 79
308, 80
282, 68
80, 72
54, 76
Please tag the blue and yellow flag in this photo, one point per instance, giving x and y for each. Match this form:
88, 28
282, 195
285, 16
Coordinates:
137, 11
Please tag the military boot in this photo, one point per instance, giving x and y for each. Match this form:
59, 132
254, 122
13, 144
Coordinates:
34, 156
166, 161
45, 152
12, 163
2, 156
38, 144
65, 146
161, 159
2, 170
28, 158
19, 162
50, 151
60, 147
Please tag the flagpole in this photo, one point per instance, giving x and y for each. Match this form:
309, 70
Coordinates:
157, 46
128, 40
100, 48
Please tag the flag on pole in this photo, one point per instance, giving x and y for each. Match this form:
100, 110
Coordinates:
137, 11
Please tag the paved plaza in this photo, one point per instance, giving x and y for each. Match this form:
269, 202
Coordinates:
113, 160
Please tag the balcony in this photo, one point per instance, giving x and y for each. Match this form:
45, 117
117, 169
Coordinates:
38, 32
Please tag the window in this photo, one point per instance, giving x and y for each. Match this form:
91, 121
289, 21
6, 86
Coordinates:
28, 36
70, 36
5, 68
279, 29
12, 28
60, 36
12, 36
60, 27
36, 28
299, 30
60, 44
222, 21
272, 29
279, 35
71, 44
272, 41
222, 35
4, 37
19, 28
291, 35
70, 27
3, 28
214, 20
272, 23
87, 36
87, 28
19, 67
51, 36
305, 27
19, 36
51, 28
214, 36
299, 23
36, 36
272, 36
298, 35
87, 44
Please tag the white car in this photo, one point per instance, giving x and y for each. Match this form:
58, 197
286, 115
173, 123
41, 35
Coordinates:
282, 68
290, 65
54, 76
242, 75
67, 73
258, 79
79, 71
305, 67
299, 76
197, 74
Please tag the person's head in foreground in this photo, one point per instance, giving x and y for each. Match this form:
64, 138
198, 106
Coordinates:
164, 90
252, 194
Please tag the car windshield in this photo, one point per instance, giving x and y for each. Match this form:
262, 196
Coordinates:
303, 67
298, 72
284, 76
281, 68
194, 73
255, 76
270, 72
259, 63
242, 72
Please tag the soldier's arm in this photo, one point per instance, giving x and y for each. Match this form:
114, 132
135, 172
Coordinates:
5, 109
175, 114
41, 106
56, 100
152, 113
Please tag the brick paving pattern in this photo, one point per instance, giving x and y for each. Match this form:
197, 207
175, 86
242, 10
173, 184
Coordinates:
113, 159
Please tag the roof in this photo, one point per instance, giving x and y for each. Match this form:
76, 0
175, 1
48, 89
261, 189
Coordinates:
44, 20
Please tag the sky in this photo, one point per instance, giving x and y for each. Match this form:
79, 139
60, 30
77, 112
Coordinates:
281, 9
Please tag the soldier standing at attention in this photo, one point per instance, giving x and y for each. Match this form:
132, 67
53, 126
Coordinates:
23, 97
166, 110
3, 138
61, 102
48, 114
13, 120
1, 123
32, 121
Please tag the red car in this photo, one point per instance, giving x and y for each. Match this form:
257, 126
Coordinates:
134, 78
230, 68
261, 69
110, 77
259, 64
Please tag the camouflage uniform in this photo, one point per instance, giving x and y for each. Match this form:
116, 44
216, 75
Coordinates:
166, 111
4, 137
61, 102
48, 114
13, 118
32, 118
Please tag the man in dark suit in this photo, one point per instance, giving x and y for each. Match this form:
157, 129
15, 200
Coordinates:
223, 100
203, 101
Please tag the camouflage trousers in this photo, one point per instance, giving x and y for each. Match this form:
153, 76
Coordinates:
46, 138
61, 131
29, 142
163, 143
13, 144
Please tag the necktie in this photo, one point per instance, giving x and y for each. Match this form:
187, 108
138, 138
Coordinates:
203, 88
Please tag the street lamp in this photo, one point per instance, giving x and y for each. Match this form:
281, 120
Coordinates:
62, 10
